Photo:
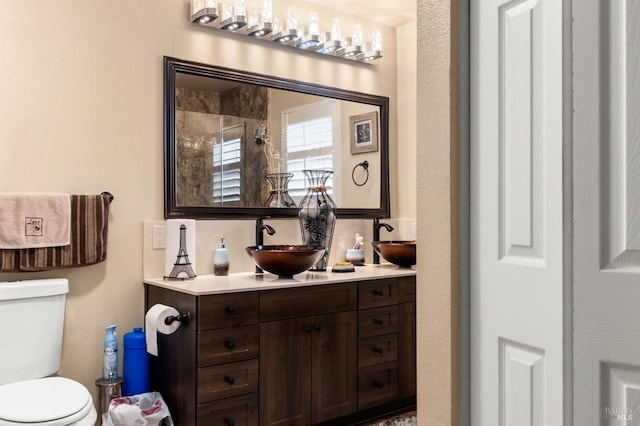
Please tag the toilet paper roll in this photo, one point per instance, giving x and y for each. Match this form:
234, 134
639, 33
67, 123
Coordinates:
154, 324
173, 253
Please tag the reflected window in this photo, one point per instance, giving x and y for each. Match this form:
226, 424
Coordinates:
227, 165
309, 135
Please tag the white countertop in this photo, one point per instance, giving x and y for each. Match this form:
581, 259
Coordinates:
249, 281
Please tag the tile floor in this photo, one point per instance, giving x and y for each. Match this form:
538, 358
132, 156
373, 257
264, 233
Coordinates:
404, 419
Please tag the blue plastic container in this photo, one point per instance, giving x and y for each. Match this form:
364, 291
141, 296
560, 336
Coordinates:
136, 363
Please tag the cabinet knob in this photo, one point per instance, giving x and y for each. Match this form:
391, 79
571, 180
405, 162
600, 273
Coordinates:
230, 380
229, 422
377, 349
378, 321
317, 327
231, 310
307, 328
230, 345
378, 293
378, 384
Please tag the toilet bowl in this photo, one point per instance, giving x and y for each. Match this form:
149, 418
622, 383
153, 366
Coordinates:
51, 401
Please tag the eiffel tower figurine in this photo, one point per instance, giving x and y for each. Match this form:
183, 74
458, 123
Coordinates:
182, 261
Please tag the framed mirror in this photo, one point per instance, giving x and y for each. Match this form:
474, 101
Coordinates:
236, 144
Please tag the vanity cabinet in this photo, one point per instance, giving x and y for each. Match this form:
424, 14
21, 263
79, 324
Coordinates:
318, 354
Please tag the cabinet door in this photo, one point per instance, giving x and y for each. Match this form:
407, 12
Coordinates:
407, 350
334, 366
285, 372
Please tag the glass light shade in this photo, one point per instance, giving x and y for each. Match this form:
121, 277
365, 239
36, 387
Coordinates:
356, 39
227, 12
336, 33
252, 18
376, 40
196, 6
267, 11
314, 24
239, 8
277, 25
292, 18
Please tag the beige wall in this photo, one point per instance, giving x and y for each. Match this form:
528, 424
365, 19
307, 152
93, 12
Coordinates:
437, 156
82, 112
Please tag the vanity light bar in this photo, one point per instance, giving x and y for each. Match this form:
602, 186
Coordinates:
234, 19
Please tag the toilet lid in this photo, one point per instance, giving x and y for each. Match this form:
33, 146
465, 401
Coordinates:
42, 400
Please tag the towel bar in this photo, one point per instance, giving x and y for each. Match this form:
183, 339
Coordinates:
108, 194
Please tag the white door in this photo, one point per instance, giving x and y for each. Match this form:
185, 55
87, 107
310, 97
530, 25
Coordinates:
606, 180
516, 213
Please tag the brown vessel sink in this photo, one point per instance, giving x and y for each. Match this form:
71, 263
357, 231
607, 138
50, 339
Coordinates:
401, 253
285, 260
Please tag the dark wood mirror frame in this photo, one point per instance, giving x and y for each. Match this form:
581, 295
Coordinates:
172, 210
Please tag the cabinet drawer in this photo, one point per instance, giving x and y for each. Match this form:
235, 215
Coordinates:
227, 380
227, 345
237, 411
372, 294
377, 384
377, 350
307, 301
407, 289
378, 321
227, 310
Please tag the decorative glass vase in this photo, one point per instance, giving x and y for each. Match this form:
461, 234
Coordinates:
279, 192
317, 214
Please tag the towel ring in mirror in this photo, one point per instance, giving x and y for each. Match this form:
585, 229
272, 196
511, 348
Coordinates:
365, 166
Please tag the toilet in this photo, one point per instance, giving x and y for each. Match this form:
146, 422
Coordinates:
30, 351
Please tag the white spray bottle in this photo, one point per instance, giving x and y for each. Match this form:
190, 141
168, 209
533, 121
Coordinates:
110, 353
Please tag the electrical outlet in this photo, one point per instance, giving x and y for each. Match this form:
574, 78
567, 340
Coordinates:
159, 237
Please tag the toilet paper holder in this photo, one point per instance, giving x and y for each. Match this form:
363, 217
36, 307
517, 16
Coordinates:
182, 318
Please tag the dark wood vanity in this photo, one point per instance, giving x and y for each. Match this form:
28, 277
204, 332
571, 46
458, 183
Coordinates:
333, 353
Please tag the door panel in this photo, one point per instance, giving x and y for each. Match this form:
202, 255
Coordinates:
334, 370
516, 264
606, 176
285, 358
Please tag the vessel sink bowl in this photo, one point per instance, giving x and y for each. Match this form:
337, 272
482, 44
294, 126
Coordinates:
401, 253
285, 260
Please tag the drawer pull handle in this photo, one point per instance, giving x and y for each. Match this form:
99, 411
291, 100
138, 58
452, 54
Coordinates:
230, 345
377, 350
229, 422
230, 380
307, 328
317, 327
378, 321
378, 384
231, 310
378, 293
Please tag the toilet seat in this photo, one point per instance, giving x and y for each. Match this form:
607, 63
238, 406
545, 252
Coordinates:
51, 401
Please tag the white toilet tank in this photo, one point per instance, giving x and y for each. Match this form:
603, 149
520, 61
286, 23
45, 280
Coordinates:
31, 328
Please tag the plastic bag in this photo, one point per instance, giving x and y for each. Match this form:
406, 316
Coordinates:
145, 409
